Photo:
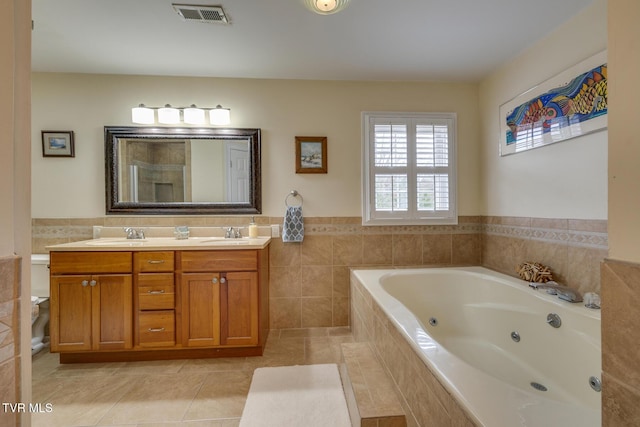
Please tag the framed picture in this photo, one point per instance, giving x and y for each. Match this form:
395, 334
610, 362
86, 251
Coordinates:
571, 104
57, 143
311, 154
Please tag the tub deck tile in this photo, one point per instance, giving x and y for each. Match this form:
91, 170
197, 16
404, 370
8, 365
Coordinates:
371, 397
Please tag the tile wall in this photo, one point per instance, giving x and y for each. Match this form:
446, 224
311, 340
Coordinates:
309, 281
572, 248
620, 349
10, 376
309, 284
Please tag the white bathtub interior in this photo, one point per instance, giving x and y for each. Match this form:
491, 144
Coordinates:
461, 325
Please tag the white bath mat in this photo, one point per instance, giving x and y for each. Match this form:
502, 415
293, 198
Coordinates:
292, 396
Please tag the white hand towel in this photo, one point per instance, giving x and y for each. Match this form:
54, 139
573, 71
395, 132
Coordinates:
293, 227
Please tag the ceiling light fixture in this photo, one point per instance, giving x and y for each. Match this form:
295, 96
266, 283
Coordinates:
191, 115
325, 7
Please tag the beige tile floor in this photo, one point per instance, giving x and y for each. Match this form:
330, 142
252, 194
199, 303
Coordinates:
193, 393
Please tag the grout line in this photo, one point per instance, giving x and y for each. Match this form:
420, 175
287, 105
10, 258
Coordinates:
186, 411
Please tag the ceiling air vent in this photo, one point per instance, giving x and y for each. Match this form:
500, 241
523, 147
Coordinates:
213, 14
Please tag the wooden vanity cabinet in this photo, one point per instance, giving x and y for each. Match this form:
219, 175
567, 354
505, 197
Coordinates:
91, 304
146, 305
220, 298
154, 299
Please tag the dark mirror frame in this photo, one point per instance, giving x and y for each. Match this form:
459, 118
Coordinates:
113, 133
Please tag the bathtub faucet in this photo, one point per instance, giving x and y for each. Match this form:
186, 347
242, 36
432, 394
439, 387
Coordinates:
563, 292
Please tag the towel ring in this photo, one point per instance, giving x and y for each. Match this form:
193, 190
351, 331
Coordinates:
293, 194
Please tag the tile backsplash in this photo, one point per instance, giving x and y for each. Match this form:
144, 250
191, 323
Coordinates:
309, 281
573, 249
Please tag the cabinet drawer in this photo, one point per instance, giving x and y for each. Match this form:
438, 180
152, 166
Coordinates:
218, 260
156, 291
157, 328
153, 261
90, 262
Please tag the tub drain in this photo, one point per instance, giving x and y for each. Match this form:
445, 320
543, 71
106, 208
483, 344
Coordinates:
433, 321
538, 386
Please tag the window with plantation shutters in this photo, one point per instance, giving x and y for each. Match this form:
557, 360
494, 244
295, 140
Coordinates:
409, 168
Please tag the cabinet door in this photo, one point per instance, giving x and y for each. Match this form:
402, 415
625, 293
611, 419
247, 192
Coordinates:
70, 321
112, 311
200, 317
239, 308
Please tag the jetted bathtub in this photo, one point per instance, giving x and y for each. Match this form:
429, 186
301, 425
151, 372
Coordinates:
486, 338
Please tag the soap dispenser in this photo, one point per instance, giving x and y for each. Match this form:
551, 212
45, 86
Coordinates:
253, 228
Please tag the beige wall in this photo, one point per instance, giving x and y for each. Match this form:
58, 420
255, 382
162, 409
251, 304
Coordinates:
15, 223
7, 180
624, 146
562, 180
621, 272
281, 108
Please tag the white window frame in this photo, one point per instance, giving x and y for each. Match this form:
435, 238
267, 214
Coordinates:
370, 216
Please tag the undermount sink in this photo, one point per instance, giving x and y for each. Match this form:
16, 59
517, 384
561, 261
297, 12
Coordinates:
225, 242
109, 242
156, 242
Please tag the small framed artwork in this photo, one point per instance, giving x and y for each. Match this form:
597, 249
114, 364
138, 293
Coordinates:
311, 154
57, 143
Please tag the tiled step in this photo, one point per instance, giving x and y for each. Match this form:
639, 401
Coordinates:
371, 398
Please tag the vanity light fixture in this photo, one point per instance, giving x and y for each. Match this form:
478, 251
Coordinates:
191, 115
220, 116
325, 7
143, 115
168, 115
194, 115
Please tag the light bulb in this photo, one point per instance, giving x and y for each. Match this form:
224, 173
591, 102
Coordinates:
194, 116
142, 115
326, 5
220, 116
168, 115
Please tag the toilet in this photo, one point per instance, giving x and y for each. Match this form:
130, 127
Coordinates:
39, 300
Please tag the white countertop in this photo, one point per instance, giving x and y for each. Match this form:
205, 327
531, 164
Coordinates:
163, 243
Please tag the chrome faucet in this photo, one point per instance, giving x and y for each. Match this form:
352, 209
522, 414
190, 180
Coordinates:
554, 288
132, 233
232, 233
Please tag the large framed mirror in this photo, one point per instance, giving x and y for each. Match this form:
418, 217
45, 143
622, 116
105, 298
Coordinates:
169, 171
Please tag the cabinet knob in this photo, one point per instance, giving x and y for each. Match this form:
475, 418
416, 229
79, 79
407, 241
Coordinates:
93, 283
85, 283
223, 280
156, 329
214, 280
161, 291
156, 261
